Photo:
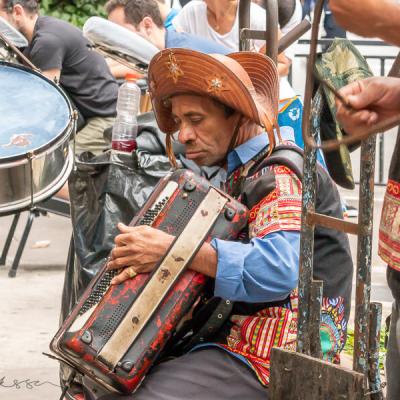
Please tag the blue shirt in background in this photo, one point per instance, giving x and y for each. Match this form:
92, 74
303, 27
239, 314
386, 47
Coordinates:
171, 15
187, 41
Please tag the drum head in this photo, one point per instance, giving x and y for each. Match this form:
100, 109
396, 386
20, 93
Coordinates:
34, 112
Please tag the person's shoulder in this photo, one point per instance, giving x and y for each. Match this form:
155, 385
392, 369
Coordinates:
51, 27
49, 23
53, 30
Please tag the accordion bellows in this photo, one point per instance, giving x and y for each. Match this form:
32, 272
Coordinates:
116, 333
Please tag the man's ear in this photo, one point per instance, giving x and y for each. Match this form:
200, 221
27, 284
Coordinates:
147, 23
18, 10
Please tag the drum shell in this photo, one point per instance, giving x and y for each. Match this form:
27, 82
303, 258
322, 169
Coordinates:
31, 176
35, 178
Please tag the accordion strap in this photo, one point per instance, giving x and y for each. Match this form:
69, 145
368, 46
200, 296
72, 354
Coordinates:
214, 323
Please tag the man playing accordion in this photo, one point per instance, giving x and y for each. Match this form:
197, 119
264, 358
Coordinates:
224, 109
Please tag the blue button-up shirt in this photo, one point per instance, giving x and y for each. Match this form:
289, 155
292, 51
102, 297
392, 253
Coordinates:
171, 15
266, 269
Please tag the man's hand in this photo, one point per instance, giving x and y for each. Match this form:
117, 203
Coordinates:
369, 18
373, 100
140, 248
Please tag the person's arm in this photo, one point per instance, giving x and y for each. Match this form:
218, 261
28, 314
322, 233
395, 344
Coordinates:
370, 18
52, 74
263, 270
373, 100
119, 70
48, 53
142, 247
266, 269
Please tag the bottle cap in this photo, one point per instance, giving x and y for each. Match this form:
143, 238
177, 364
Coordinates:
132, 76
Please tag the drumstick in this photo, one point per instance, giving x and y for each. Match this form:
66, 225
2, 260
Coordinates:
330, 87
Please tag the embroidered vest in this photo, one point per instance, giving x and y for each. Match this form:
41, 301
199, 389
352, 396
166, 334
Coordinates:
272, 192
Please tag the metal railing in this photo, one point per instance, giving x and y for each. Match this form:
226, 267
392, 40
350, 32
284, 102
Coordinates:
385, 62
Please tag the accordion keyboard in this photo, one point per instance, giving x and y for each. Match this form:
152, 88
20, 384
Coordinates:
148, 219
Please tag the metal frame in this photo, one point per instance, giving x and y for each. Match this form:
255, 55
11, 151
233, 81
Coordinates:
54, 205
365, 379
382, 67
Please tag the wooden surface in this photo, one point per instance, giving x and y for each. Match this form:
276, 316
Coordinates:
296, 376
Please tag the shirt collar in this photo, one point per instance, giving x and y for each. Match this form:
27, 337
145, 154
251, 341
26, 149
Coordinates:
248, 150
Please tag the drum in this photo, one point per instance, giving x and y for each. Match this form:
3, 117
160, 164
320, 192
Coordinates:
36, 125
6, 54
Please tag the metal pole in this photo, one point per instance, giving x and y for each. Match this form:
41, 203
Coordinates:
374, 375
272, 29
364, 249
308, 203
244, 23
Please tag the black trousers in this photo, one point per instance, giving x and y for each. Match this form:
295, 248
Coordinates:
208, 374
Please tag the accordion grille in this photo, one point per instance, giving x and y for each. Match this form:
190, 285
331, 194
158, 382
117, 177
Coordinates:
102, 286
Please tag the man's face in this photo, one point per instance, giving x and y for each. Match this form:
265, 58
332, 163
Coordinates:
6, 15
15, 17
118, 17
204, 128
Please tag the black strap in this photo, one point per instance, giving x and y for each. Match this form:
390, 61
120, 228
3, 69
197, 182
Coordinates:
213, 324
287, 155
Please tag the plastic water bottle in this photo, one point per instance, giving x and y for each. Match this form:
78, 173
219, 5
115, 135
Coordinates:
125, 127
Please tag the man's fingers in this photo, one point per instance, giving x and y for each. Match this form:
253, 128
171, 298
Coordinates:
125, 228
127, 273
122, 251
350, 89
120, 262
373, 118
124, 238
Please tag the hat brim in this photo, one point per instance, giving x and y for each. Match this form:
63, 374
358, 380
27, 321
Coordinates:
263, 74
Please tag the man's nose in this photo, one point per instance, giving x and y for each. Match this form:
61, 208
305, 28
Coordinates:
186, 134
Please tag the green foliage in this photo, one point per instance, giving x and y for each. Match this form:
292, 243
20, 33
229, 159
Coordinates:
349, 347
73, 11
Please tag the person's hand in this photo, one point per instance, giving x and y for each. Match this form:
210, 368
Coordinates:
373, 100
137, 250
369, 18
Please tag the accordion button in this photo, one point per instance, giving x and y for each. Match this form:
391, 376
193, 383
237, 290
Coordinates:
229, 214
86, 337
189, 186
127, 366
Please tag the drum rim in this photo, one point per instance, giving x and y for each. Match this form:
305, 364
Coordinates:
67, 130
45, 193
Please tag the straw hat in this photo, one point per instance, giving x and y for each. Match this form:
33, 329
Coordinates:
245, 81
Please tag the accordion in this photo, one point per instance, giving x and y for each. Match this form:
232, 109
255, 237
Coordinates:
116, 332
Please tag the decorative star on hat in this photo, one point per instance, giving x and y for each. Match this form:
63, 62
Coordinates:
216, 84
174, 68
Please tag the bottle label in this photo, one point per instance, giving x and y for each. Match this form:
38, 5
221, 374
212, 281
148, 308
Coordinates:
124, 145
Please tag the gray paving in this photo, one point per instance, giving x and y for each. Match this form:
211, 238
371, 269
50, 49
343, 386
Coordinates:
29, 309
